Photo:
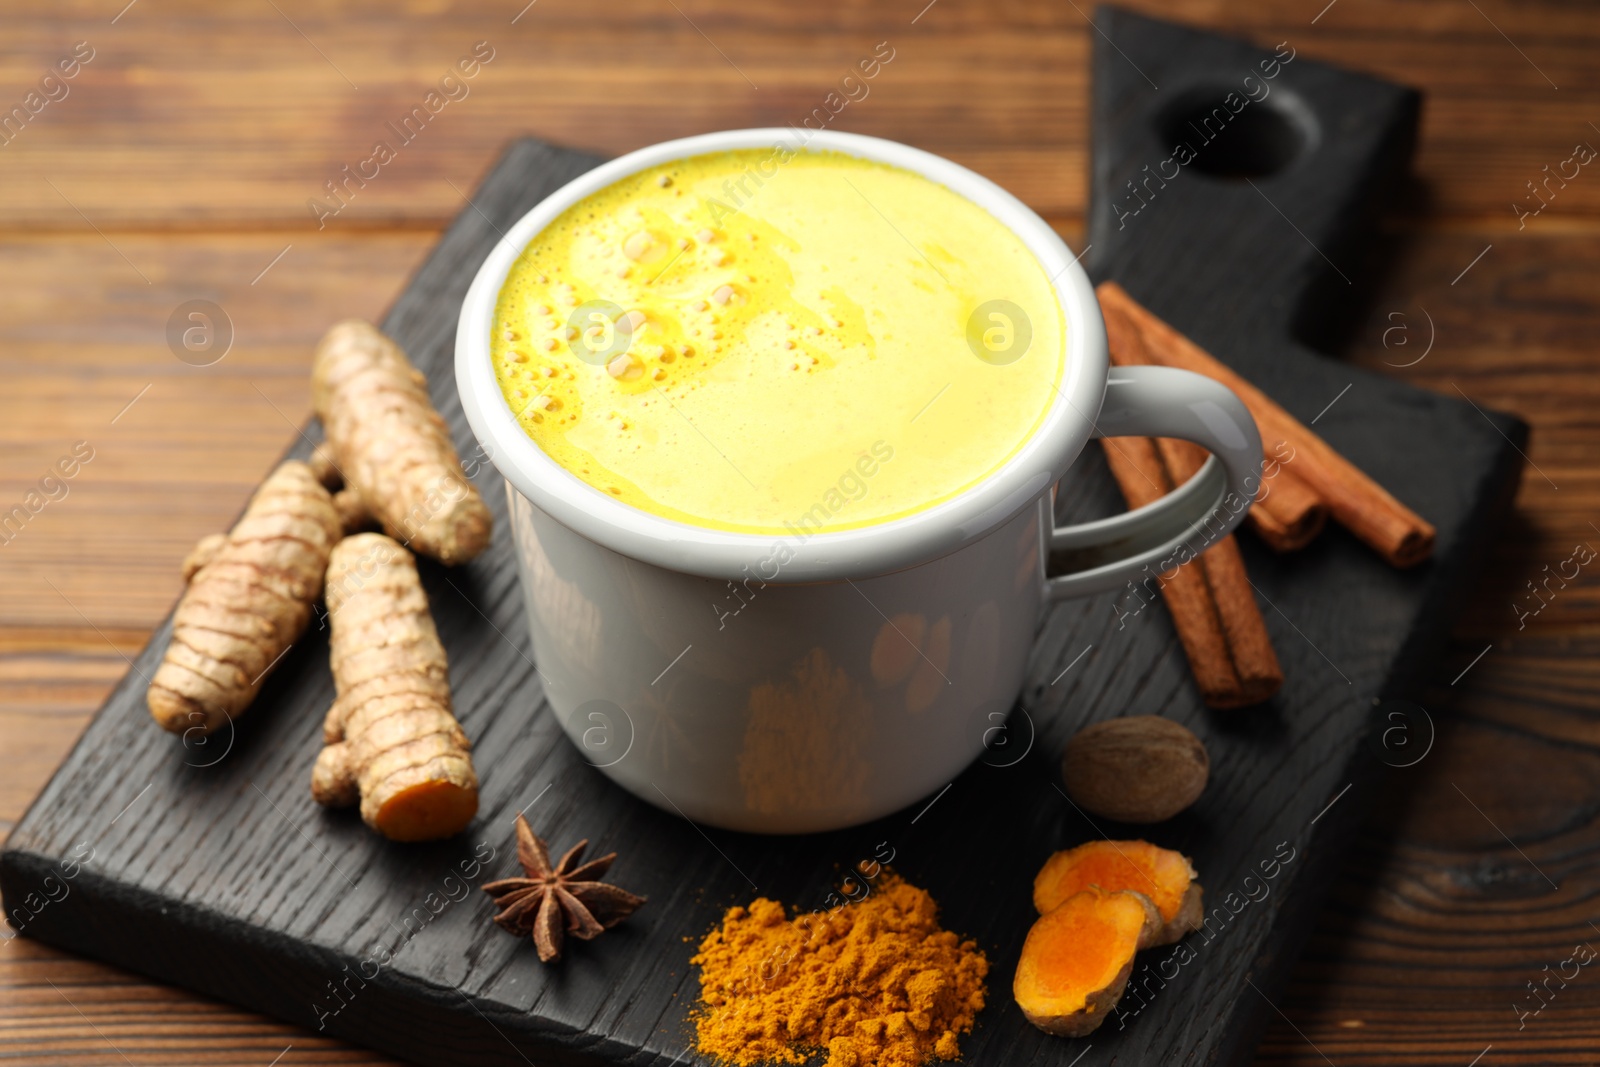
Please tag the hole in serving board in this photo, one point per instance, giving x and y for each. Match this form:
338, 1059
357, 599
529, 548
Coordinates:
1233, 135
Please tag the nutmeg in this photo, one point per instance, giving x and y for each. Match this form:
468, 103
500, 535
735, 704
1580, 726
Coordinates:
1139, 769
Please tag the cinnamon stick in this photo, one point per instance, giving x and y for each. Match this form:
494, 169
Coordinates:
1254, 661
1142, 477
1364, 507
1286, 514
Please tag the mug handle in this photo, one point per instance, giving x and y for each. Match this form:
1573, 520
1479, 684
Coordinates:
1148, 401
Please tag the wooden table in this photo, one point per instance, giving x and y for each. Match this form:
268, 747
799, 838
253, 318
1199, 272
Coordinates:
178, 167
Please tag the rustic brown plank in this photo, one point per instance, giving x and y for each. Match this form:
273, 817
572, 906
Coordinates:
1427, 962
200, 115
82, 338
138, 1023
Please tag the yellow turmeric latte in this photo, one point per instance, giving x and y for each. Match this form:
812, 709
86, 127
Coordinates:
769, 341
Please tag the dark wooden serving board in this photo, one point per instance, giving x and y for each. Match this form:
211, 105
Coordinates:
209, 865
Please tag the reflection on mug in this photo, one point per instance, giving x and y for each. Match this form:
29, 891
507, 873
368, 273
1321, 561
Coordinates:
569, 617
980, 652
805, 739
932, 669
894, 650
906, 645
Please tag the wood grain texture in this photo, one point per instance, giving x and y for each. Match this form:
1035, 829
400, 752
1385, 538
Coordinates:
173, 168
169, 466
192, 113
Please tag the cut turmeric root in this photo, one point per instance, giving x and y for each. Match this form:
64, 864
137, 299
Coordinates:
388, 445
250, 596
391, 740
1164, 876
1077, 959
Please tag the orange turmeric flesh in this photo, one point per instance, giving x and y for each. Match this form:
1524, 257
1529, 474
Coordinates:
427, 811
1077, 958
1165, 876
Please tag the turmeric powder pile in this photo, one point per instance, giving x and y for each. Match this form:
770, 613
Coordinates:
876, 983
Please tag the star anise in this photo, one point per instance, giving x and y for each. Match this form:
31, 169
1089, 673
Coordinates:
553, 901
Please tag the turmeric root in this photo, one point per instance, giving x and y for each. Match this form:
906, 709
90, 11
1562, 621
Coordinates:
250, 595
353, 513
204, 551
1077, 959
1164, 876
324, 469
391, 446
391, 740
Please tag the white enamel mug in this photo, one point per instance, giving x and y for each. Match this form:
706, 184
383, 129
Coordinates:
797, 684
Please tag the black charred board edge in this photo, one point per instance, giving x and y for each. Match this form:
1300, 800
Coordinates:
228, 880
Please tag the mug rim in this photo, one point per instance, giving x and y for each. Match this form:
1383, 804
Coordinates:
858, 552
